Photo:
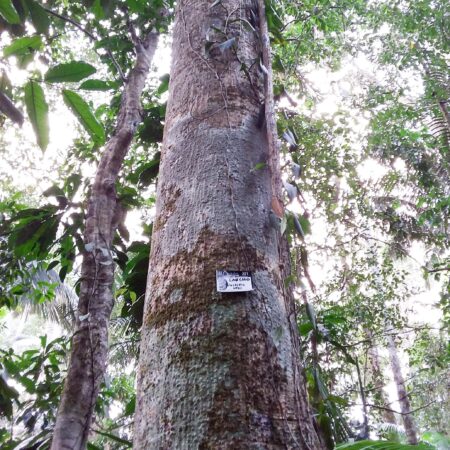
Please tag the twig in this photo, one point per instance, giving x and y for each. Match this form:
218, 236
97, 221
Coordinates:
437, 270
399, 412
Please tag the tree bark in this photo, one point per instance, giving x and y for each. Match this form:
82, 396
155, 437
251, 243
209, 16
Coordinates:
378, 381
217, 370
445, 114
403, 399
364, 432
90, 340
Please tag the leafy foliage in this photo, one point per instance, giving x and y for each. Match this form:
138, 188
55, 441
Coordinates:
361, 229
38, 373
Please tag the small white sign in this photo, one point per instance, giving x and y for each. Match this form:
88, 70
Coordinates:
233, 281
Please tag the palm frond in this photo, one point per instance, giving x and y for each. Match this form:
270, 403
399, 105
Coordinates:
61, 309
382, 445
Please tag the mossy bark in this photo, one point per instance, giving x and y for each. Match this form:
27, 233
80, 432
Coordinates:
217, 370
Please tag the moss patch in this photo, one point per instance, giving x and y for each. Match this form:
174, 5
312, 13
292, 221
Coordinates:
194, 274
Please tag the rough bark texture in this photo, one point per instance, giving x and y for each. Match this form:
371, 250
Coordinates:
217, 371
403, 399
90, 340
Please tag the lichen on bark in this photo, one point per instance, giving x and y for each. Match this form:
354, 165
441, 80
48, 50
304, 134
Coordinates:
217, 370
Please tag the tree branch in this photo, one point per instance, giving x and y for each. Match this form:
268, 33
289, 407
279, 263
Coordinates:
90, 36
399, 412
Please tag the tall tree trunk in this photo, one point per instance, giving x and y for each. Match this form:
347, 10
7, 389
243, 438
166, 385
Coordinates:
403, 399
378, 382
90, 340
218, 370
364, 432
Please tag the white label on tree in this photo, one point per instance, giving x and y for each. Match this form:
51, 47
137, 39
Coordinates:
233, 281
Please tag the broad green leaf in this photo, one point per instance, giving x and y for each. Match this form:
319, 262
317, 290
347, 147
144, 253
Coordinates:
98, 85
33, 235
84, 114
8, 12
69, 72
22, 46
39, 16
37, 110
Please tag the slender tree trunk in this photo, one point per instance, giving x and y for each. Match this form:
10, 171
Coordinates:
445, 113
403, 399
378, 381
364, 433
90, 340
218, 370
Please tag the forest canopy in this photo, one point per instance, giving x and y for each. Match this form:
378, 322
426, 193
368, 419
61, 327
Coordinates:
355, 97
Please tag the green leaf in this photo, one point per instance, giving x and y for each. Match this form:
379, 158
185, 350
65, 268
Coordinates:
258, 166
115, 438
28, 383
130, 407
164, 86
39, 16
98, 85
37, 110
98, 10
22, 46
305, 328
69, 72
84, 114
305, 224
33, 236
146, 172
8, 12
136, 6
